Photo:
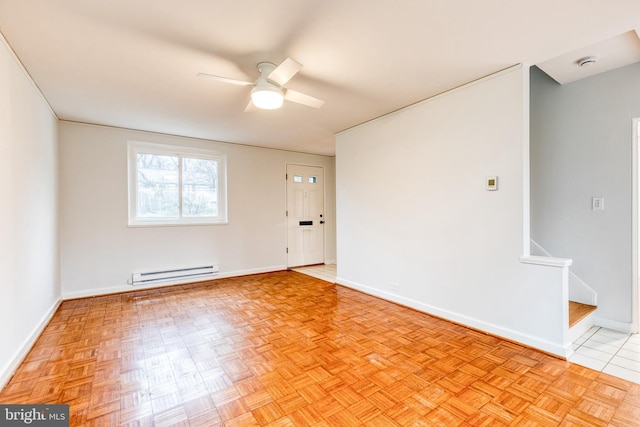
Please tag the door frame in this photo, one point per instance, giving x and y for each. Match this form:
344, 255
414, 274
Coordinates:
635, 229
286, 206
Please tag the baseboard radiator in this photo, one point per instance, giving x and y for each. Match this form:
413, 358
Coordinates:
176, 276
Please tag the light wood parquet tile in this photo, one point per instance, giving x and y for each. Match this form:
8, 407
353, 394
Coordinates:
285, 349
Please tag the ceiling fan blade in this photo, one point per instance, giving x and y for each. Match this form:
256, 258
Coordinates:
225, 79
250, 107
301, 98
285, 71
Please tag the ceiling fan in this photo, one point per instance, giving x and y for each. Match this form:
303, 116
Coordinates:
268, 92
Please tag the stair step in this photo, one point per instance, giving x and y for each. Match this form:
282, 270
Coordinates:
578, 311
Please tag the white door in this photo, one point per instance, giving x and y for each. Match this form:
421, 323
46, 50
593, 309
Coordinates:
305, 215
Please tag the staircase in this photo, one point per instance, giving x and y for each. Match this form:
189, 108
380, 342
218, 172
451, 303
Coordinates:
580, 319
582, 300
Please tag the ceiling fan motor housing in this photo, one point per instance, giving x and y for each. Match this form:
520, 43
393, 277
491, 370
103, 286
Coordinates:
265, 68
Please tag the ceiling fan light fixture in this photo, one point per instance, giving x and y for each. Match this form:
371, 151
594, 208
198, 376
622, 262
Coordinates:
268, 91
267, 96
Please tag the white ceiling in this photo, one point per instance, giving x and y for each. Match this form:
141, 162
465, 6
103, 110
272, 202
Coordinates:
133, 63
609, 54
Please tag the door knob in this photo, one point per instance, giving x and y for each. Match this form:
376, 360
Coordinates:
321, 222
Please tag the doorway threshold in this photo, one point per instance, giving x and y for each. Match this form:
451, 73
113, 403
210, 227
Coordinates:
326, 272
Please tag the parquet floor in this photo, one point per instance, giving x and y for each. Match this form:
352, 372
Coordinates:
285, 349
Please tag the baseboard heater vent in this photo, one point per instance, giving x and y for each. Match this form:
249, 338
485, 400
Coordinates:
175, 276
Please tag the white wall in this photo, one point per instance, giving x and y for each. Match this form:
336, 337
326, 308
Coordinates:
99, 252
29, 254
581, 145
413, 210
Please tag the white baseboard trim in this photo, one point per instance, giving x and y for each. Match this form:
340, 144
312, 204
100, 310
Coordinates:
9, 369
612, 324
251, 271
563, 351
330, 262
130, 288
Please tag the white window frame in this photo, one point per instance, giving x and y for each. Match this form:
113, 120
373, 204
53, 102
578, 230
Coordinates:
135, 147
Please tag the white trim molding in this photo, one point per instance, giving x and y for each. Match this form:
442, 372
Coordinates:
563, 351
613, 324
9, 369
635, 228
547, 261
129, 288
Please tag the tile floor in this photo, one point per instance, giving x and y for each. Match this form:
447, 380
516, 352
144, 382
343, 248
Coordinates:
326, 272
609, 351
600, 349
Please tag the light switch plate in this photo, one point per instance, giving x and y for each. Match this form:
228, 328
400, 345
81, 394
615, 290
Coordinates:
597, 203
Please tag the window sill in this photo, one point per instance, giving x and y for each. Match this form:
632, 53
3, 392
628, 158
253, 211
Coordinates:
175, 224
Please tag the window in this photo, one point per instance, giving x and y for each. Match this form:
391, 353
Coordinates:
176, 185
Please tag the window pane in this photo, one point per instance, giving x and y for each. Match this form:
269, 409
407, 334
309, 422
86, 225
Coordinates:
313, 179
297, 178
199, 187
170, 185
157, 186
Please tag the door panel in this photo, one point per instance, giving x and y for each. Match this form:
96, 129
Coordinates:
305, 215
298, 204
